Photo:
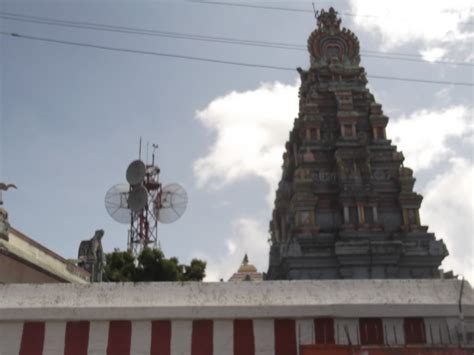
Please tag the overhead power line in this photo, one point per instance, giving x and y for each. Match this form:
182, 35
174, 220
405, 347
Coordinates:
159, 54
214, 39
210, 60
289, 9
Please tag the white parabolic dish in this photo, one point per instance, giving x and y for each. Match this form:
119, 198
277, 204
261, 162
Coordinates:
172, 204
137, 198
136, 172
116, 203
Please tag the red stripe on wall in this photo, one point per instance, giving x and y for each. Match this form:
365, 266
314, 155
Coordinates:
285, 337
414, 330
77, 338
244, 341
371, 331
324, 329
120, 337
32, 338
161, 337
202, 337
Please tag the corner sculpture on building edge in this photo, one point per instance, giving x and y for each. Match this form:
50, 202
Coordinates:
345, 206
4, 224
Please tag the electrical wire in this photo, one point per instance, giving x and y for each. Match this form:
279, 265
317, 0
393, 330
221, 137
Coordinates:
160, 54
193, 37
235, 4
291, 9
122, 29
210, 60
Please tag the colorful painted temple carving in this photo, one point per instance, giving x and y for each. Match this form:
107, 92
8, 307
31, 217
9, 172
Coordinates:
345, 205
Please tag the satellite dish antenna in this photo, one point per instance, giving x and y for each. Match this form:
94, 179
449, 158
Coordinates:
116, 203
137, 198
136, 172
171, 203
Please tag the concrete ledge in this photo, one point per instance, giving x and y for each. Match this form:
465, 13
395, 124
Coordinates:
33, 255
270, 299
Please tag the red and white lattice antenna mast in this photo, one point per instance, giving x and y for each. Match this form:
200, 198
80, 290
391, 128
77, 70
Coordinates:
143, 202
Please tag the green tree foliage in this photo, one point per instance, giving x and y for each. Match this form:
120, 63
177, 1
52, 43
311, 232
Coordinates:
195, 271
120, 266
151, 265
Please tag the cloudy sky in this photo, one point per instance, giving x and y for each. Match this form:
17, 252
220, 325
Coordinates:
71, 116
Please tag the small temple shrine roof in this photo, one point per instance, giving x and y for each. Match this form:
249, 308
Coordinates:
246, 272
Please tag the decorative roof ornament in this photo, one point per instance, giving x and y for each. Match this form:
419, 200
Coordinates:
5, 187
329, 44
4, 224
246, 267
246, 272
328, 20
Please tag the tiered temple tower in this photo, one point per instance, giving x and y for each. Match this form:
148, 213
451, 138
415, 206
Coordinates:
345, 205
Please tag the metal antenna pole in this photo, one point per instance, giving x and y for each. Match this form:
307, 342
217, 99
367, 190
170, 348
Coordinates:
155, 147
140, 149
316, 12
147, 144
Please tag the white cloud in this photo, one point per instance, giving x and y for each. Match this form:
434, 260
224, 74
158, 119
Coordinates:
433, 54
249, 236
251, 128
423, 136
448, 209
403, 21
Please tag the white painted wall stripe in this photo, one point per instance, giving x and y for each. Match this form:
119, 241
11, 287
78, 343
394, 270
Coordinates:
54, 338
10, 337
223, 337
181, 332
141, 338
437, 332
98, 338
393, 330
264, 334
304, 332
347, 327
452, 327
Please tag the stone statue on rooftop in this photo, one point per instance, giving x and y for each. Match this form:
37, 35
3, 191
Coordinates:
91, 256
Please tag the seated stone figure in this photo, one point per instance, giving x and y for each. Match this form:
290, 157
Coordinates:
91, 256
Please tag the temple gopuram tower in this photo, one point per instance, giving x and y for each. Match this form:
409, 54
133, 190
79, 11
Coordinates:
345, 206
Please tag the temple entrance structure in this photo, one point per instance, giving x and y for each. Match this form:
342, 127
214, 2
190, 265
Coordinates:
345, 206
